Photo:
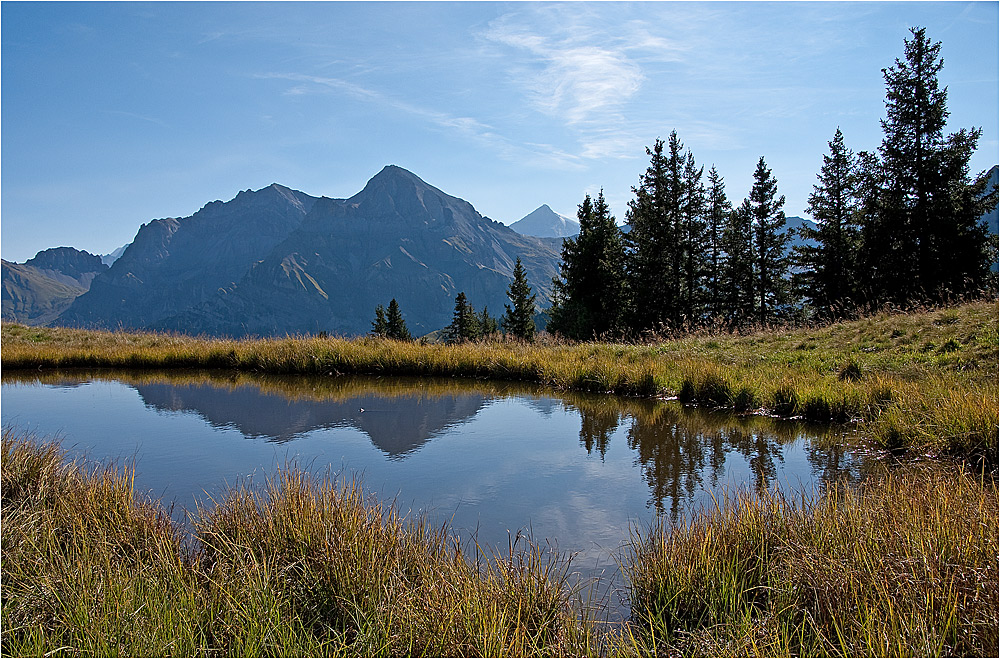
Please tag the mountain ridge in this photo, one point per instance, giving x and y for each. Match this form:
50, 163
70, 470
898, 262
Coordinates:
276, 261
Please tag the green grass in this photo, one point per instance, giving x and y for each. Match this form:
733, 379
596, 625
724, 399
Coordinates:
906, 565
898, 374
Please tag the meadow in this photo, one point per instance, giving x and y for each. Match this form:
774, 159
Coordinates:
905, 564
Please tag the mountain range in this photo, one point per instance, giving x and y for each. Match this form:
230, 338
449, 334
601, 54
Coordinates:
277, 261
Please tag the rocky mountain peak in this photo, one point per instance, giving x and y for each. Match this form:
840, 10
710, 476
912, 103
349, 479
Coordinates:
68, 261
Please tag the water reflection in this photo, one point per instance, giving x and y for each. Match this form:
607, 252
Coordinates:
679, 453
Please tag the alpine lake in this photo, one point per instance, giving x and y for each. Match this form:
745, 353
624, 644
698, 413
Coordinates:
498, 463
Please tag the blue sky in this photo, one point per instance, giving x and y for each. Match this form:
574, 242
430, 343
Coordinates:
114, 114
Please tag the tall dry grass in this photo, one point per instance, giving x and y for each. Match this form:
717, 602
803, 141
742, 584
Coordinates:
904, 566
300, 568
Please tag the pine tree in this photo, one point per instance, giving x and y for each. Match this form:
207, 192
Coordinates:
717, 212
379, 326
519, 320
829, 267
568, 315
464, 324
395, 325
590, 293
769, 241
921, 234
738, 281
655, 239
487, 324
691, 232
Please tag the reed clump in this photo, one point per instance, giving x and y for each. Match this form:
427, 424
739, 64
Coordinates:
906, 565
300, 567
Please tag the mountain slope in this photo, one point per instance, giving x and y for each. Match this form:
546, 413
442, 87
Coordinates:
32, 298
37, 291
175, 264
398, 238
546, 223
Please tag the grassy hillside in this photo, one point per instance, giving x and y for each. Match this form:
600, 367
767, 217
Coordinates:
925, 381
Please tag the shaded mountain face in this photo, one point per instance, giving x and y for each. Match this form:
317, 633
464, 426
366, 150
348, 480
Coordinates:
174, 264
546, 223
277, 261
37, 291
398, 238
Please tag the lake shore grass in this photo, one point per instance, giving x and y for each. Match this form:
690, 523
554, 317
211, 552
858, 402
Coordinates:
924, 382
906, 565
300, 567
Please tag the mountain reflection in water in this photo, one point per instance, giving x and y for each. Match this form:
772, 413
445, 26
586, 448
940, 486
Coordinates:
679, 452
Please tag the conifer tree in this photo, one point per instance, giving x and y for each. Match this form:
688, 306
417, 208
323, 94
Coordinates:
921, 232
655, 242
379, 326
769, 240
828, 275
691, 232
395, 325
487, 323
590, 293
464, 324
519, 320
717, 212
738, 281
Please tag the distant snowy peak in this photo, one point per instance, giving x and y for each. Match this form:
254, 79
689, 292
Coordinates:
544, 222
108, 259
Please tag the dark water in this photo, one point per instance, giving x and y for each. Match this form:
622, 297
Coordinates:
492, 459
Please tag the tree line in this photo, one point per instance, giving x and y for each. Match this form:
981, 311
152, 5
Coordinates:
896, 226
467, 324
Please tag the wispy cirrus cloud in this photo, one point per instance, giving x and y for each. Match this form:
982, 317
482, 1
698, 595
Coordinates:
571, 65
566, 78
466, 127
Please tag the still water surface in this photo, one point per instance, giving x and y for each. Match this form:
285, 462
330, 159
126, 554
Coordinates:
491, 459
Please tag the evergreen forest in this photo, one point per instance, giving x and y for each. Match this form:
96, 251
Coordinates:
896, 227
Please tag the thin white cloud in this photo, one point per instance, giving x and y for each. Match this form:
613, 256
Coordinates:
576, 82
467, 127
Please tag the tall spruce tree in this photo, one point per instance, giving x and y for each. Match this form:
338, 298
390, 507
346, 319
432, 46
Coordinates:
717, 212
395, 325
590, 293
655, 244
828, 266
379, 326
464, 324
738, 281
691, 232
921, 233
519, 319
769, 241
